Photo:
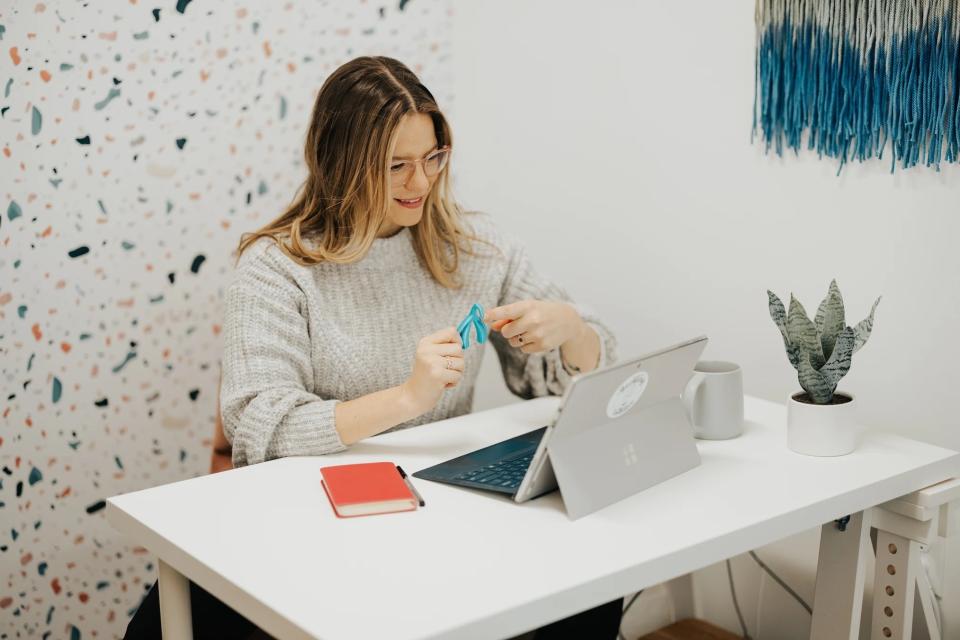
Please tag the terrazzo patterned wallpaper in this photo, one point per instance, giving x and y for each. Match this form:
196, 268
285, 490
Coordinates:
139, 138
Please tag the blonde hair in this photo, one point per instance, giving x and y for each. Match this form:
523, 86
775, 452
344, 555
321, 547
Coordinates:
344, 200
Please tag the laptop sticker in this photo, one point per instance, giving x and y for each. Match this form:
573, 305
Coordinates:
627, 394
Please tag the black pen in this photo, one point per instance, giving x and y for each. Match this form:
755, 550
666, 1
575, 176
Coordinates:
413, 490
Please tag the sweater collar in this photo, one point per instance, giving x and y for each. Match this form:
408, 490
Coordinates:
393, 250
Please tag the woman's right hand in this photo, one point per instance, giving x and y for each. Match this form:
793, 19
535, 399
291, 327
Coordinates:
437, 365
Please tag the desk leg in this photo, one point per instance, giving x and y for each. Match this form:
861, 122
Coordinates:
894, 586
681, 592
838, 598
175, 617
927, 604
950, 569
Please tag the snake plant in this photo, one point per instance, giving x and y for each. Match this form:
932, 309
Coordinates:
820, 350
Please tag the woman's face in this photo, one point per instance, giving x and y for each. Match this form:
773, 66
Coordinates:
409, 184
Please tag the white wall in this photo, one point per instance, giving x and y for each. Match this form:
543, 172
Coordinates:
615, 140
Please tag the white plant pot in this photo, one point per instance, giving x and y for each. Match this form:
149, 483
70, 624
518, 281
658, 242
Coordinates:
822, 429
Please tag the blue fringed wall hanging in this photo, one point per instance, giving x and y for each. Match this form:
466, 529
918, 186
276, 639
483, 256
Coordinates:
853, 77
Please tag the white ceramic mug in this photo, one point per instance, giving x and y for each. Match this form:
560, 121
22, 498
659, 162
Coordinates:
714, 400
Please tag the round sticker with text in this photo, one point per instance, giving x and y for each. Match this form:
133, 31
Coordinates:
627, 394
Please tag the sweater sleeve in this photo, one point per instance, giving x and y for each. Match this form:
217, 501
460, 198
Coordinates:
269, 409
539, 374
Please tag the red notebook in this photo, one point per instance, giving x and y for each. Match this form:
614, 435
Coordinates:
367, 488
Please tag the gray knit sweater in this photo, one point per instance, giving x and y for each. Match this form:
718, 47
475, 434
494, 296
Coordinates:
298, 339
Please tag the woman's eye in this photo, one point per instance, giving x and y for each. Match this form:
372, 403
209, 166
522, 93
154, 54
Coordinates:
397, 167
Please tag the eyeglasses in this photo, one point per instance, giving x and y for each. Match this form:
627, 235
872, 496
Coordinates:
433, 163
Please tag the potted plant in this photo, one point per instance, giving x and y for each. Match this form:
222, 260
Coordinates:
820, 420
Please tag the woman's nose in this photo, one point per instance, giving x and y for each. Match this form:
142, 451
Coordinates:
418, 179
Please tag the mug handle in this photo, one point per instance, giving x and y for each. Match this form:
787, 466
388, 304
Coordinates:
690, 394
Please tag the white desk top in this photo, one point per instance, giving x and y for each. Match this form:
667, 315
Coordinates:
474, 564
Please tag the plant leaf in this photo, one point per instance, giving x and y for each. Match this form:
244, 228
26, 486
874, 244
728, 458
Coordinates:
778, 313
818, 319
839, 363
793, 354
803, 333
814, 382
830, 319
780, 319
864, 327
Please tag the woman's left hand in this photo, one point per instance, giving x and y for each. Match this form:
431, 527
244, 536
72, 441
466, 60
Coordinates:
534, 326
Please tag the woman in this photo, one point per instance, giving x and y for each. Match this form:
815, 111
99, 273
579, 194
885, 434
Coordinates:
340, 322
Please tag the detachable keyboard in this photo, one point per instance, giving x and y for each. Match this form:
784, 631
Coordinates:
499, 467
504, 473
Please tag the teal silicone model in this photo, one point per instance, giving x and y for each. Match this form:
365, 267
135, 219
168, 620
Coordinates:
474, 319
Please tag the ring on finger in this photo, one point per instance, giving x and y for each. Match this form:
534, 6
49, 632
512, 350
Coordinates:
447, 362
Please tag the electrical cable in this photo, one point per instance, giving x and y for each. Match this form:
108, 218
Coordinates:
937, 598
733, 593
783, 584
736, 605
624, 614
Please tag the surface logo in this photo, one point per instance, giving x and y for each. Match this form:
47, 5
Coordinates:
630, 455
627, 394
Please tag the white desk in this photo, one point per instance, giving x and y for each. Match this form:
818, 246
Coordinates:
473, 564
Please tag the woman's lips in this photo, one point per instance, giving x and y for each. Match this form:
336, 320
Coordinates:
410, 204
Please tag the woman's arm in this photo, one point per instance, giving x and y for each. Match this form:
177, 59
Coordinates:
582, 352
567, 340
269, 410
437, 365
268, 406
373, 413
538, 326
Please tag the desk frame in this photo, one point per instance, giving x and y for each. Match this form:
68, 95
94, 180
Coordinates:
903, 528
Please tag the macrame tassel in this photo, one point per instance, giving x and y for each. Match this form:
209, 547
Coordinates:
854, 76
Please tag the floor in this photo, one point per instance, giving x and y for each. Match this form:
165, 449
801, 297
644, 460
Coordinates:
691, 630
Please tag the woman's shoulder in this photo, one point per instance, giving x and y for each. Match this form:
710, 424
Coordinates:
264, 260
485, 228
262, 252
